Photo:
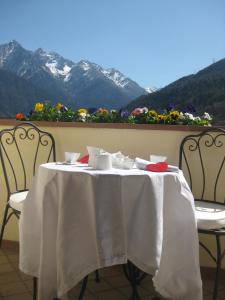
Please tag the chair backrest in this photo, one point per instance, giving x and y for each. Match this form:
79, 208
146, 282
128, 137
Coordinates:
22, 149
202, 158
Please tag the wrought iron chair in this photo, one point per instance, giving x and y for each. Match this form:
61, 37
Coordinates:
202, 158
22, 149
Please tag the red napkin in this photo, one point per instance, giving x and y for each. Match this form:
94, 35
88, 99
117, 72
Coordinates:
84, 159
158, 167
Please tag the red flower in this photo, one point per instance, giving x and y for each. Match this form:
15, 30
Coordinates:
20, 116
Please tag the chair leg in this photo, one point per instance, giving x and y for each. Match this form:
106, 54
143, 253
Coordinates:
83, 288
133, 273
34, 288
97, 278
4, 223
218, 267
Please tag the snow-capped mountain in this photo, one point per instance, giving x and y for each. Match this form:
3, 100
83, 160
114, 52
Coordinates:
80, 83
150, 90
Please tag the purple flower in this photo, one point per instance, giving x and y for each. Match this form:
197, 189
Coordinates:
92, 110
190, 108
124, 114
170, 106
63, 108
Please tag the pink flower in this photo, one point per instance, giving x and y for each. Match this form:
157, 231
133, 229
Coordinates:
137, 111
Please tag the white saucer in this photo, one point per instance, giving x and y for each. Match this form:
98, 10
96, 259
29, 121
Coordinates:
77, 164
65, 163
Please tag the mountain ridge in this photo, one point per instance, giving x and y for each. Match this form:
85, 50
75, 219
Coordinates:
204, 90
79, 84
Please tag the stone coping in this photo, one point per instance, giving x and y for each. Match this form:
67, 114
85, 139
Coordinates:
12, 122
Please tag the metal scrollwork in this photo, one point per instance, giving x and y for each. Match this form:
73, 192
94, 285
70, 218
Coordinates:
208, 140
9, 140
213, 140
15, 137
22, 133
194, 146
31, 133
218, 142
44, 140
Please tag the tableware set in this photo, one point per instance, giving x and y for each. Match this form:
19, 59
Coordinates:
99, 159
103, 162
71, 157
157, 158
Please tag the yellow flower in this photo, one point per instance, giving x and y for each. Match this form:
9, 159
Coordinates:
152, 113
39, 107
175, 114
82, 111
161, 117
58, 106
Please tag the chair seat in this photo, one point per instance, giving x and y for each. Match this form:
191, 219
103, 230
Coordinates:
209, 215
16, 200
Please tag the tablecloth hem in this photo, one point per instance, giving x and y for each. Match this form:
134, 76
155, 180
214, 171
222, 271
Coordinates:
196, 293
142, 266
28, 272
78, 277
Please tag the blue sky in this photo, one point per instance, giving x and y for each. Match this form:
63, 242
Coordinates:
152, 42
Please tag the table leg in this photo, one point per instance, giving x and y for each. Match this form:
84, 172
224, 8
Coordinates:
34, 288
132, 273
97, 278
135, 276
83, 288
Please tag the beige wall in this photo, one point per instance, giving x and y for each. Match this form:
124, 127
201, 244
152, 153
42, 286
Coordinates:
131, 142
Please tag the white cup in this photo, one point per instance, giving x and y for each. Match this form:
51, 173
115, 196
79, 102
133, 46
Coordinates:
103, 162
93, 152
71, 157
128, 163
117, 159
157, 158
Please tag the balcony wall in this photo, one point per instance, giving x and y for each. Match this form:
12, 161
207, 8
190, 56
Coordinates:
132, 140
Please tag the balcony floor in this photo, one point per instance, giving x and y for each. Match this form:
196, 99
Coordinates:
15, 285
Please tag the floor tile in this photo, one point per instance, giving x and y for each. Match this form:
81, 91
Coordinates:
12, 288
22, 275
117, 281
74, 293
109, 272
9, 277
208, 297
110, 295
29, 284
25, 296
5, 268
13, 258
127, 291
15, 285
95, 287
9, 251
147, 285
3, 259
88, 297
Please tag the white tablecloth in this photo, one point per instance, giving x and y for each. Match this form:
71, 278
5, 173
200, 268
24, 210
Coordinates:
76, 220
